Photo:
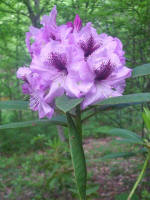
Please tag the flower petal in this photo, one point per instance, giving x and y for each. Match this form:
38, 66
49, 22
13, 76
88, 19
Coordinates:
119, 75
23, 73
51, 19
45, 110
77, 23
98, 93
77, 88
56, 89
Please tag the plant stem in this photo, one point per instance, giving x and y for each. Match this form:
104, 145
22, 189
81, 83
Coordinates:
77, 152
140, 176
78, 120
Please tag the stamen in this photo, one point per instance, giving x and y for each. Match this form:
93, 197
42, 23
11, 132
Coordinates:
103, 71
52, 36
58, 61
89, 46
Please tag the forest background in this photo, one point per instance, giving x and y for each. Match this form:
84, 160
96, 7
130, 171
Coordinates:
24, 150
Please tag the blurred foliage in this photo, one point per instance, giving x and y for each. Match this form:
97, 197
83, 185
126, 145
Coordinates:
128, 20
145, 195
34, 150
42, 175
124, 196
146, 117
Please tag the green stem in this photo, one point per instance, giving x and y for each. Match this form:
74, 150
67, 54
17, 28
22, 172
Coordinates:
78, 120
77, 154
140, 176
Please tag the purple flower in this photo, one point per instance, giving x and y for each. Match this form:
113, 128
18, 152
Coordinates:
87, 40
66, 68
109, 74
36, 87
38, 103
76, 25
50, 31
74, 60
23, 73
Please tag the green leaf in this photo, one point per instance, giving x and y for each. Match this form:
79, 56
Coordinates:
118, 106
119, 155
128, 141
102, 129
78, 158
146, 117
126, 99
141, 70
59, 120
14, 105
92, 190
65, 103
124, 196
123, 133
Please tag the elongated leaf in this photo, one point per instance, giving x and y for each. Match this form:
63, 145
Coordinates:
78, 158
89, 191
126, 99
92, 190
14, 105
124, 196
119, 155
115, 106
146, 117
59, 120
141, 70
102, 129
123, 133
65, 103
128, 141
118, 106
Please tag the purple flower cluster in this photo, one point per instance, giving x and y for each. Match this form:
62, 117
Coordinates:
71, 60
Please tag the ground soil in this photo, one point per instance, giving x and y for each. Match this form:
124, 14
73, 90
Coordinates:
114, 176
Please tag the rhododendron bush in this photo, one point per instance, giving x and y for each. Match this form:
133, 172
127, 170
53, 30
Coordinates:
71, 60
74, 69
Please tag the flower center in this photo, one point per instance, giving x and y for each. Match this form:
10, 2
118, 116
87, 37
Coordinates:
59, 61
89, 46
52, 36
103, 71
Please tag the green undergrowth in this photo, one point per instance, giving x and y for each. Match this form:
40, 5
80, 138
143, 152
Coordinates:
47, 173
